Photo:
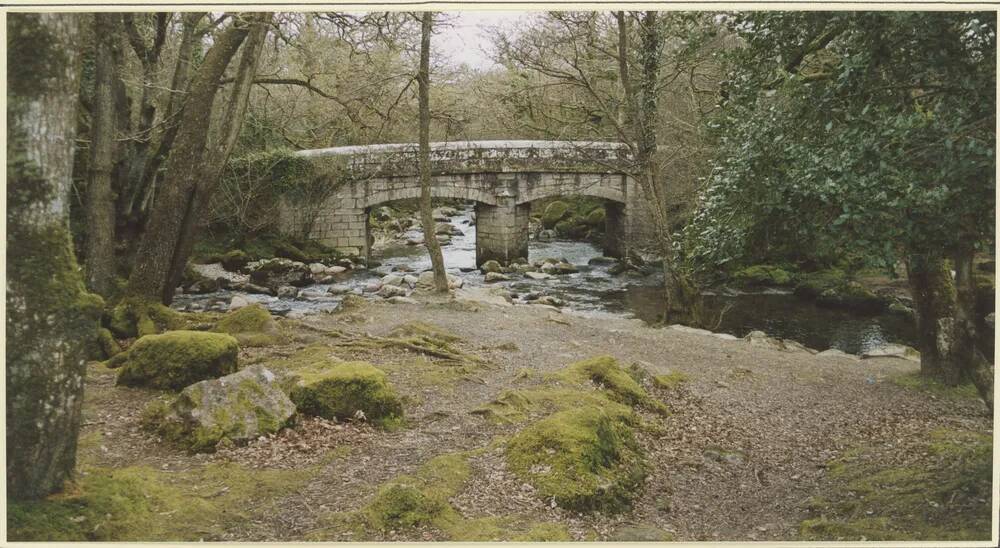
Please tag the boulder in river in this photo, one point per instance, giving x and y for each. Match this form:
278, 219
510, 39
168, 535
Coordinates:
278, 272
490, 266
426, 281
287, 292
496, 277
537, 275
388, 291
239, 407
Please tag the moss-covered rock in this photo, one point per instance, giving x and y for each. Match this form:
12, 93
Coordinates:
596, 218
135, 317
812, 284
762, 275
235, 260
109, 346
176, 359
340, 390
554, 213
238, 407
585, 458
421, 499
605, 372
852, 296
251, 325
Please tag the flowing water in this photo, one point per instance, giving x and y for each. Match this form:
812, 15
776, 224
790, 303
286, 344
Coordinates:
594, 291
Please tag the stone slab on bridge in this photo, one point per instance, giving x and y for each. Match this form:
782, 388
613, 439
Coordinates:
502, 177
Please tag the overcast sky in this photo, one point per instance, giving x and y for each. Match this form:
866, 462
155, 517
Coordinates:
464, 40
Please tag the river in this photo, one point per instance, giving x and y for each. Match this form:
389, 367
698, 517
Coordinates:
593, 291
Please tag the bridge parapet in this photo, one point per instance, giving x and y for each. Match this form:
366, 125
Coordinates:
460, 157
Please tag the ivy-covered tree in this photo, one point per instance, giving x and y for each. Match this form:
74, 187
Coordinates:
867, 131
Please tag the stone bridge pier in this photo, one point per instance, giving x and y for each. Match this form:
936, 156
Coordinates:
502, 178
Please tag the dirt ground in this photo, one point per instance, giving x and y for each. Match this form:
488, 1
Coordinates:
744, 448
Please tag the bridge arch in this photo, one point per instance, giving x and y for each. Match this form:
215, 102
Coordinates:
502, 177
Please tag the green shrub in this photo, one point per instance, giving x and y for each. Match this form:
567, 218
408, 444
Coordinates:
762, 275
554, 213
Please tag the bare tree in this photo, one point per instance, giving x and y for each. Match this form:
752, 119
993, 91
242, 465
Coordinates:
190, 160
100, 196
426, 217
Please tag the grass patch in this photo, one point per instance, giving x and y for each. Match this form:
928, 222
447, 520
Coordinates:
143, 504
619, 384
916, 381
948, 498
670, 380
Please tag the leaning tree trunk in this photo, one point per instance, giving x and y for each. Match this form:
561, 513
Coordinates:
156, 252
100, 197
50, 316
224, 141
426, 218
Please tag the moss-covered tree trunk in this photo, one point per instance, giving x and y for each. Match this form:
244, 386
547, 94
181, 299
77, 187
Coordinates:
426, 218
946, 322
50, 316
184, 168
964, 352
100, 255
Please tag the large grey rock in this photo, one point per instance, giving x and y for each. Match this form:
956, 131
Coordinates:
339, 289
426, 281
537, 275
561, 267
287, 292
892, 350
317, 268
238, 407
490, 266
238, 302
388, 291
496, 277
277, 272
392, 279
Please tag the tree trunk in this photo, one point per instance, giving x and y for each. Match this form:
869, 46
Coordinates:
934, 299
641, 107
946, 322
100, 197
426, 218
213, 166
156, 252
964, 352
50, 316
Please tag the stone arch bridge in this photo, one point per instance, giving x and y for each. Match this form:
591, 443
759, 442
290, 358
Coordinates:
502, 177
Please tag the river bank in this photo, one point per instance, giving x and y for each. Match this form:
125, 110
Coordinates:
759, 440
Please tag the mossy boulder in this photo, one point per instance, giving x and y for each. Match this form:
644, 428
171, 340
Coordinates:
420, 499
812, 284
275, 273
596, 218
177, 359
853, 296
573, 227
586, 459
235, 260
554, 213
134, 317
762, 275
251, 325
237, 407
339, 390
605, 372
108, 345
